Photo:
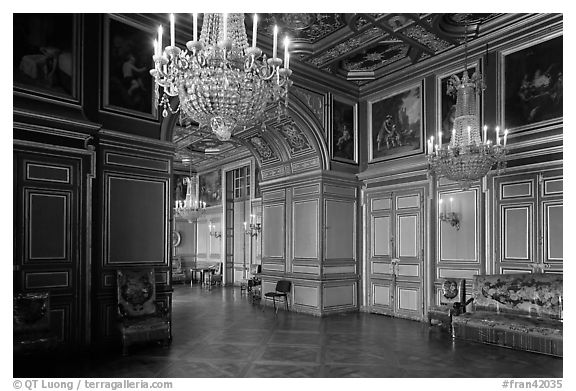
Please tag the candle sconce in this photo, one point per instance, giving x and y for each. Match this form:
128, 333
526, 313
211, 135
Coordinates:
449, 217
252, 229
215, 234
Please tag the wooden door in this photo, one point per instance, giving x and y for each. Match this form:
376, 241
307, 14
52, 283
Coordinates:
528, 220
49, 237
395, 243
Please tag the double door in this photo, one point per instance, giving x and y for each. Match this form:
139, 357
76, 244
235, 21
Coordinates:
528, 222
396, 252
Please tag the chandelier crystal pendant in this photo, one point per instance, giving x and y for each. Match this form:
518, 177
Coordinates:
190, 208
220, 80
468, 157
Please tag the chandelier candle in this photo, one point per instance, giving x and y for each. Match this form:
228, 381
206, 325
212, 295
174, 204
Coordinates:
194, 26
254, 31
275, 42
172, 31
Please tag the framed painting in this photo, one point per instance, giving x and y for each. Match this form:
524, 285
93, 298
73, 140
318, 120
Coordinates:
45, 55
211, 188
532, 85
344, 131
395, 125
128, 86
447, 103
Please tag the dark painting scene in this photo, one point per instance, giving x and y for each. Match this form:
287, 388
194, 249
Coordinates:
211, 188
533, 84
396, 125
130, 54
343, 132
43, 58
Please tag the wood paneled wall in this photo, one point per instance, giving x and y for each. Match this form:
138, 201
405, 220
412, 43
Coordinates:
52, 225
309, 236
133, 220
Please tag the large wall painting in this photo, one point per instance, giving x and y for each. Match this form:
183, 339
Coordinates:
44, 56
533, 85
344, 131
396, 125
128, 85
211, 188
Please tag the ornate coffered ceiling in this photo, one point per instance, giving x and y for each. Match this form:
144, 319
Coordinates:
358, 47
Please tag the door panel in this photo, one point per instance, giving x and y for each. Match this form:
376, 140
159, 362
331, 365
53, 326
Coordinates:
49, 247
396, 249
529, 217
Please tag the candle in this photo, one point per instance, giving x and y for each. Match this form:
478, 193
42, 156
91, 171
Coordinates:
484, 136
172, 31
275, 42
286, 44
245, 226
287, 61
195, 26
210, 227
453, 140
225, 35
505, 136
497, 130
451, 200
254, 31
160, 30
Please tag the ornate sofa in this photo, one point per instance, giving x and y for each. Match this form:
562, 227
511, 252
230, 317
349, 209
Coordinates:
519, 311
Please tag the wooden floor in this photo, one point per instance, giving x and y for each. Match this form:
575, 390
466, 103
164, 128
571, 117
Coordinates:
219, 333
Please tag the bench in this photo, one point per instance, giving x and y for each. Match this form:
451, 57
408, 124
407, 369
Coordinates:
518, 311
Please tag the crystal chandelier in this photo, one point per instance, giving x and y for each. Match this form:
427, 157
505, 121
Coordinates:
190, 209
467, 158
221, 81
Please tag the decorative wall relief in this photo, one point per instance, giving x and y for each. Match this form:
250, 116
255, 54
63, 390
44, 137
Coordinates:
263, 149
314, 101
295, 138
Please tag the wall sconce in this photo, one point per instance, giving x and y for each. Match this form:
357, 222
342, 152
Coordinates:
254, 228
449, 216
213, 233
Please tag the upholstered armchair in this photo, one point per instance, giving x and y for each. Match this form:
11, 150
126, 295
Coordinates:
31, 319
140, 318
178, 274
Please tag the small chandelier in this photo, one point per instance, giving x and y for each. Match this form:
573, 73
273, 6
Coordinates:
190, 209
467, 158
221, 81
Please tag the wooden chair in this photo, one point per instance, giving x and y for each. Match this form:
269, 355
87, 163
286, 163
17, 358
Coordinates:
214, 276
31, 323
253, 280
140, 318
281, 292
178, 274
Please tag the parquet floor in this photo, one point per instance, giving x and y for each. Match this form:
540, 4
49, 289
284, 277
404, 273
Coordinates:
219, 333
